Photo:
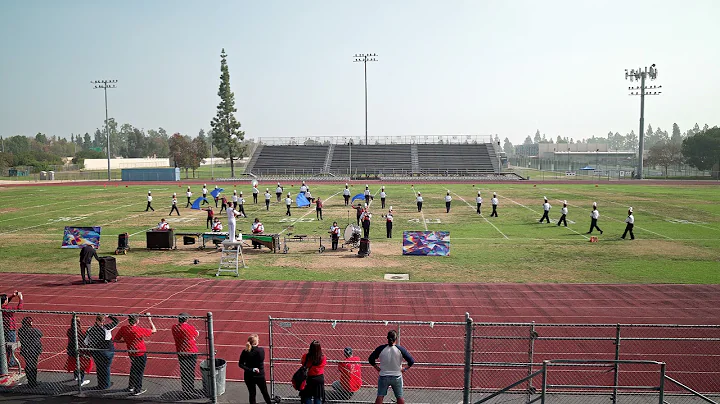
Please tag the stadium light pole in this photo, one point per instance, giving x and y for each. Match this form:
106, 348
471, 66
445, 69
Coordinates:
104, 85
640, 75
365, 58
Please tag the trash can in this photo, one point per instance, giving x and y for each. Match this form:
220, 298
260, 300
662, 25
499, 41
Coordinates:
51, 175
43, 175
220, 369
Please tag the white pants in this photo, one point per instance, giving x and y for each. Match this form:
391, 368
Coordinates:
231, 229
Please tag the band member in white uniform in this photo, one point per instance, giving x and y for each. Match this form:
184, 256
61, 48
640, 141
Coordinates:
278, 191
346, 194
594, 216
232, 214
365, 220
546, 211
189, 196
334, 235
288, 203
163, 225
494, 203
478, 202
255, 191
205, 192
217, 196
174, 207
448, 199
241, 205
367, 194
149, 202
267, 198
303, 188
419, 201
630, 224
257, 228
309, 196
564, 212
234, 199
383, 195
389, 222
217, 225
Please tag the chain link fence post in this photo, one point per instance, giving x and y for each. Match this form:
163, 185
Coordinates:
467, 385
3, 353
76, 352
616, 377
211, 357
271, 361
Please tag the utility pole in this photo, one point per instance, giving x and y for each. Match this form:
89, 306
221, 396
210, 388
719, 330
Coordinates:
105, 84
640, 75
365, 58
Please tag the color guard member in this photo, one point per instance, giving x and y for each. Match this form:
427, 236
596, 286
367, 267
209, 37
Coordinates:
346, 194
267, 198
494, 203
564, 212
448, 199
174, 205
210, 216
594, 216
188, 193
309, 196
358, 211
217, 196
419, 200
630, 224
334, 235
288, 203
149, 202
478, 202
223, 203
383, 195
546, 211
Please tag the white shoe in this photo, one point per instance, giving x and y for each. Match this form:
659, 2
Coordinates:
139, 392
85, 382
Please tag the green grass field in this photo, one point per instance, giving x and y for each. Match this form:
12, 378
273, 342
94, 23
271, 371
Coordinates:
677, 233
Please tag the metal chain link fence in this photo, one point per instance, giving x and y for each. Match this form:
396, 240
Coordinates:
47, 355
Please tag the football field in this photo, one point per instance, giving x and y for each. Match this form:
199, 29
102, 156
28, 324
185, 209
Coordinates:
677, 229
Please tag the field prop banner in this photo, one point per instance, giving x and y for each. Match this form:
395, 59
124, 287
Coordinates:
301, 200
426, 243
215, 192
77, 237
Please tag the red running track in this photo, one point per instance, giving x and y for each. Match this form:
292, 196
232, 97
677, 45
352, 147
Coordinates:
242, 307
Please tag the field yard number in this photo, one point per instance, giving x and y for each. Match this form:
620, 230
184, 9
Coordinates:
680, 221
300, 220
428, 221
180, 219
67, 219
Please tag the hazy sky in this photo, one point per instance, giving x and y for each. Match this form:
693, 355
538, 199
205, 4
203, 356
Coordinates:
445, 67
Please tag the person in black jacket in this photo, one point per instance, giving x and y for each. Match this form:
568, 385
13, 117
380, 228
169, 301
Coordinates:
30, 349
99, 339
252, 361
87, 253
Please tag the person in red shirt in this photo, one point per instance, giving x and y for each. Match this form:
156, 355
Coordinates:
86, 362
314, 391
187, 350
350, 377
8, 319
133, 336
318, 208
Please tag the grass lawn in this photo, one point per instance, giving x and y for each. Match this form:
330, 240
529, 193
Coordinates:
677, 233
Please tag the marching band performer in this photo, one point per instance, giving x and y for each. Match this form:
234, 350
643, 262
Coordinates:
478, 202
255, 192
334, 235
234, 199
149, 202
419, 200
383, 195
630, 224
365, 219
267, 198
546, 211
346, 194
389, 222
188, 193
174, 205
217, 225
358, 211
163, 225
594, 216
288, 203
448, 199
367, 194
257, 228
303, 188
205, 192
278, 191
241, 205
494, 203
564, 212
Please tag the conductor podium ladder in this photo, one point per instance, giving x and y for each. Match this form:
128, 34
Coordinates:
230, 258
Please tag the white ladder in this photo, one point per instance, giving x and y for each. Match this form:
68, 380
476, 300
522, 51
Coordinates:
230, 258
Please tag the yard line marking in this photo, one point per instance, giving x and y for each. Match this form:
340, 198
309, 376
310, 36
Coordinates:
310, 210
622, 221
421, 212
47, 224
482, 216
534, 211
659, 215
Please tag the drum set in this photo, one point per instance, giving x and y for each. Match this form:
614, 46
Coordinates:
352, 236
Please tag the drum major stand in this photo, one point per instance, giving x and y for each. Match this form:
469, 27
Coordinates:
231, 257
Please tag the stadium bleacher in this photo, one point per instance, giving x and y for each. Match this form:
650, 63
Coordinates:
289, 159
455, 159
372, 159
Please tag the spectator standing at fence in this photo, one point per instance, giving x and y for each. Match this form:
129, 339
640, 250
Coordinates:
99, 338
318, 208
494, 203
184, 335
174, 207
546, 211
391, 356
267, 198
149, 202
383, 195
204, 193
252, 361
74, 350
594, 216
30, 349
630, 223
134, 337
314, 391
563, 216
350, 377
188, 193
448, 200
288, 203
419, 201
346, 194
278, 192
478, 202
334, 235
8, 319
87, 253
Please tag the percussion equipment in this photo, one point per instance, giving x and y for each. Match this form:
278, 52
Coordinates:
352, 236
364, 249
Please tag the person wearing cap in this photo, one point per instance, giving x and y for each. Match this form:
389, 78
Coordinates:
99, 339
252, 361
210, 216
149, 202
8, 319
546, 210
278, 191
391, 369
134, 337
448, 199
419, 201
184, 335
267, 199
346, 194
303, 188
217, 195
383, 195
350, 377
564, 212
365, 220
367, 194
174, 207
389, 222
309, 197
234, 198
478, 203
630, 220
241, 204
494, 203
255, 192
594, 216
204, 193
223, 203
188, 193
334, 235
288, 203
30, 349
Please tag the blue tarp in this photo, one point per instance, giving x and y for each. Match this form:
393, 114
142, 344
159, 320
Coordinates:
215, 192
587, 168
301, 200
196, 204
358, 196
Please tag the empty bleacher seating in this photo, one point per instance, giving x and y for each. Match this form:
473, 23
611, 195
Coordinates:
386, 159
454, 159
290, 160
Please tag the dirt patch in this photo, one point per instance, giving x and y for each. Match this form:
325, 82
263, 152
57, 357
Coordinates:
9, 210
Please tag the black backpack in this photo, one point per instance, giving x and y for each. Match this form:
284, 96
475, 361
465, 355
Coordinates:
299, 378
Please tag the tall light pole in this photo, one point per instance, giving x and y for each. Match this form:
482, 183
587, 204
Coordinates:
365, 58
350, 143
640, 75
105, 84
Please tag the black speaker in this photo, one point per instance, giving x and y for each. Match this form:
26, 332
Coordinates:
163, 239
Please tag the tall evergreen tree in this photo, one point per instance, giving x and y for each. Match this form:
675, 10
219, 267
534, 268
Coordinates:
227, 135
